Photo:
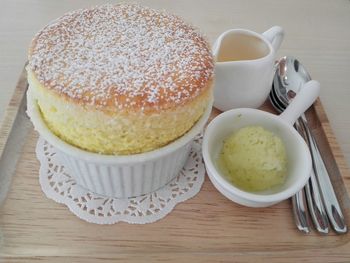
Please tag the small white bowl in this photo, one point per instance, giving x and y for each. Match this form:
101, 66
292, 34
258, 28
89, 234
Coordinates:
120, 176
298, 155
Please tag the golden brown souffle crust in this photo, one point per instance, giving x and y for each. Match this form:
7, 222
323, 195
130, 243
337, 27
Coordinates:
120, 79
122, 58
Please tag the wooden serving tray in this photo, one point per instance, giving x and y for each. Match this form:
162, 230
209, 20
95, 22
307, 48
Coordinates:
205, 228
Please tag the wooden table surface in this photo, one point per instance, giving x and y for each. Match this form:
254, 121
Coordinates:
317, 32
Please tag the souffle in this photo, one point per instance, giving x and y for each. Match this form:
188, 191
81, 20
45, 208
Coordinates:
120, 79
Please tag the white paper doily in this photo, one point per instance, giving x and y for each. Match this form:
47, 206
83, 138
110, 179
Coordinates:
58, 185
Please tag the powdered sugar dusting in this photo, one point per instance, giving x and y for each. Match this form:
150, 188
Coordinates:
122, 56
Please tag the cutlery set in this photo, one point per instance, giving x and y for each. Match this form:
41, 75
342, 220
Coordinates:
321, 201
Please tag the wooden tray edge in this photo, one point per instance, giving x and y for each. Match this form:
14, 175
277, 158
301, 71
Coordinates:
332, 141
12, 109
21, 87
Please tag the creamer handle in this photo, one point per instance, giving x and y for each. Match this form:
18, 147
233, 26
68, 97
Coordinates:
275, 36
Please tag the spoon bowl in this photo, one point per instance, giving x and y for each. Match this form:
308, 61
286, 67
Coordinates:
290, 77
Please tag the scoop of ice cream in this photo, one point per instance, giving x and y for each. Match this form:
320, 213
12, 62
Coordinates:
254, 159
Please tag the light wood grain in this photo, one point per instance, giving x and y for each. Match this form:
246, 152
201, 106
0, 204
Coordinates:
206, 228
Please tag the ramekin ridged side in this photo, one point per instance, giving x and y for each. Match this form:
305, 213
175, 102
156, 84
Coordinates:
120, 176
124, 180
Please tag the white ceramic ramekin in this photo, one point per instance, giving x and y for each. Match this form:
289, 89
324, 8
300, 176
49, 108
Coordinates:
298, 155
299, 160
120, 176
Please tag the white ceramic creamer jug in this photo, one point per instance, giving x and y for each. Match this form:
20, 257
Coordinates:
244, 67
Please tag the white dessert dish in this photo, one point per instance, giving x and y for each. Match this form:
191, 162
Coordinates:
298, 155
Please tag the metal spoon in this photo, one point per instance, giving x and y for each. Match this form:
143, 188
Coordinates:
288, 80
298, 200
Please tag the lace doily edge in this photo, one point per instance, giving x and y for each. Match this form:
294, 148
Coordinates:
114, 219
